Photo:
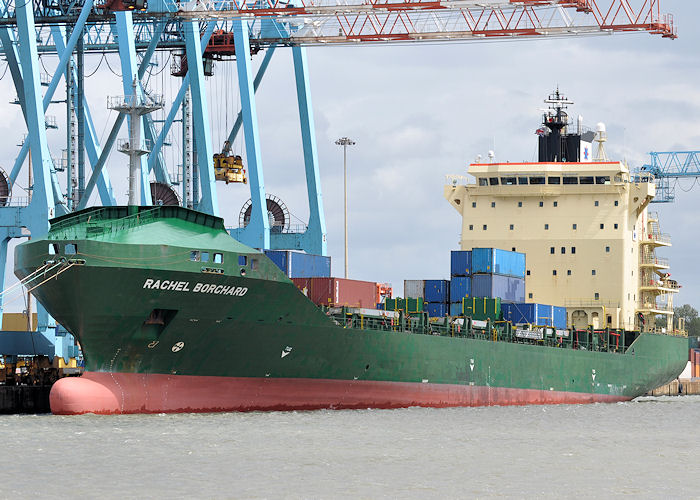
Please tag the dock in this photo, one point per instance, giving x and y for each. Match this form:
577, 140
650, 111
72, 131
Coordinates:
689, 387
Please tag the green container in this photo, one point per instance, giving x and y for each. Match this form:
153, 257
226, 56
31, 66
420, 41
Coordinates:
483, 308
407, 305
414, 305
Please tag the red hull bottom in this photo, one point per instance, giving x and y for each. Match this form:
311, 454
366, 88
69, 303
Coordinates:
111, 393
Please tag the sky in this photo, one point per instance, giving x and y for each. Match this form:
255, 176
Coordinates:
420, 112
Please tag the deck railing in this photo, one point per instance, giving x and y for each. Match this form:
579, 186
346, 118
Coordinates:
606, 340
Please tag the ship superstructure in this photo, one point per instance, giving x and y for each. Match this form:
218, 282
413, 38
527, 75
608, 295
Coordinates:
583, 224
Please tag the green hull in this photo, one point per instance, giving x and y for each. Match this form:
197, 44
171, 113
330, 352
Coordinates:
258, 326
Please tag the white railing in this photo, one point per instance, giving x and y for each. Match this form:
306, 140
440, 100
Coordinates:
653, 260
660, 237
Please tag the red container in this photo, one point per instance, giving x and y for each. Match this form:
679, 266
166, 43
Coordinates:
335, 292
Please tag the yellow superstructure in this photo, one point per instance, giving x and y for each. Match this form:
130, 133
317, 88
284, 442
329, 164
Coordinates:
589, 240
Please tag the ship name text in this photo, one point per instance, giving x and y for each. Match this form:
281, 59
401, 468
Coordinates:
184, 286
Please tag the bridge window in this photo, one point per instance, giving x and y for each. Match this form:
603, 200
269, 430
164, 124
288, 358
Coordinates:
536, 180
553, 180
570, 180
508, 181
205, 256
493, 181
195, 255
242, 260
522, 181
602, 179
586, 180
483, 181
53, 248
218, 258
71, 248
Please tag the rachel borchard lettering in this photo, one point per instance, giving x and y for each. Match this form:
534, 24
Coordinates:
184, 286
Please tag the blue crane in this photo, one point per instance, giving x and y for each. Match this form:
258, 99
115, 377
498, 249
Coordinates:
136, 29
668, 165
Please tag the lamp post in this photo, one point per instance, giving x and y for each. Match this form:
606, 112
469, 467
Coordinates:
345, 142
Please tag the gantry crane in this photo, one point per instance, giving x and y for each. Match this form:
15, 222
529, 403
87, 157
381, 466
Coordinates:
667, 165
136, 29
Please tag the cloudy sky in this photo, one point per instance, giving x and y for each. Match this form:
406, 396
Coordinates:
420, 112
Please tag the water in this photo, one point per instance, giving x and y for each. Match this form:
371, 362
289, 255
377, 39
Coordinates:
647, 448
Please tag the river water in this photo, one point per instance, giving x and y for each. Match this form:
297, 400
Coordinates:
647, 448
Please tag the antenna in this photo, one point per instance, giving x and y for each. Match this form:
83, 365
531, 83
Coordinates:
601, 138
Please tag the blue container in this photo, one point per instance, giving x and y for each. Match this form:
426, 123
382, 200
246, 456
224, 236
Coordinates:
497, 261
519, 312
460, 287
300, 265
456, 309
461, 263
437, 310
536, 314
495, 285
560, 317
437, 291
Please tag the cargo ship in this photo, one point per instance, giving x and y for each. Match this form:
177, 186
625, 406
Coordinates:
174, 315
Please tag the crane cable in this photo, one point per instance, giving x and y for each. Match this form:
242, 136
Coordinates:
98, 65
110, 68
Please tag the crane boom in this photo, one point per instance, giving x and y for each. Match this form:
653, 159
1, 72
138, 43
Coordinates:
315, 22
667, 165
332, 22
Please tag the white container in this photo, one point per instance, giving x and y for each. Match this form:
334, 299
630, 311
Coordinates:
414, 289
